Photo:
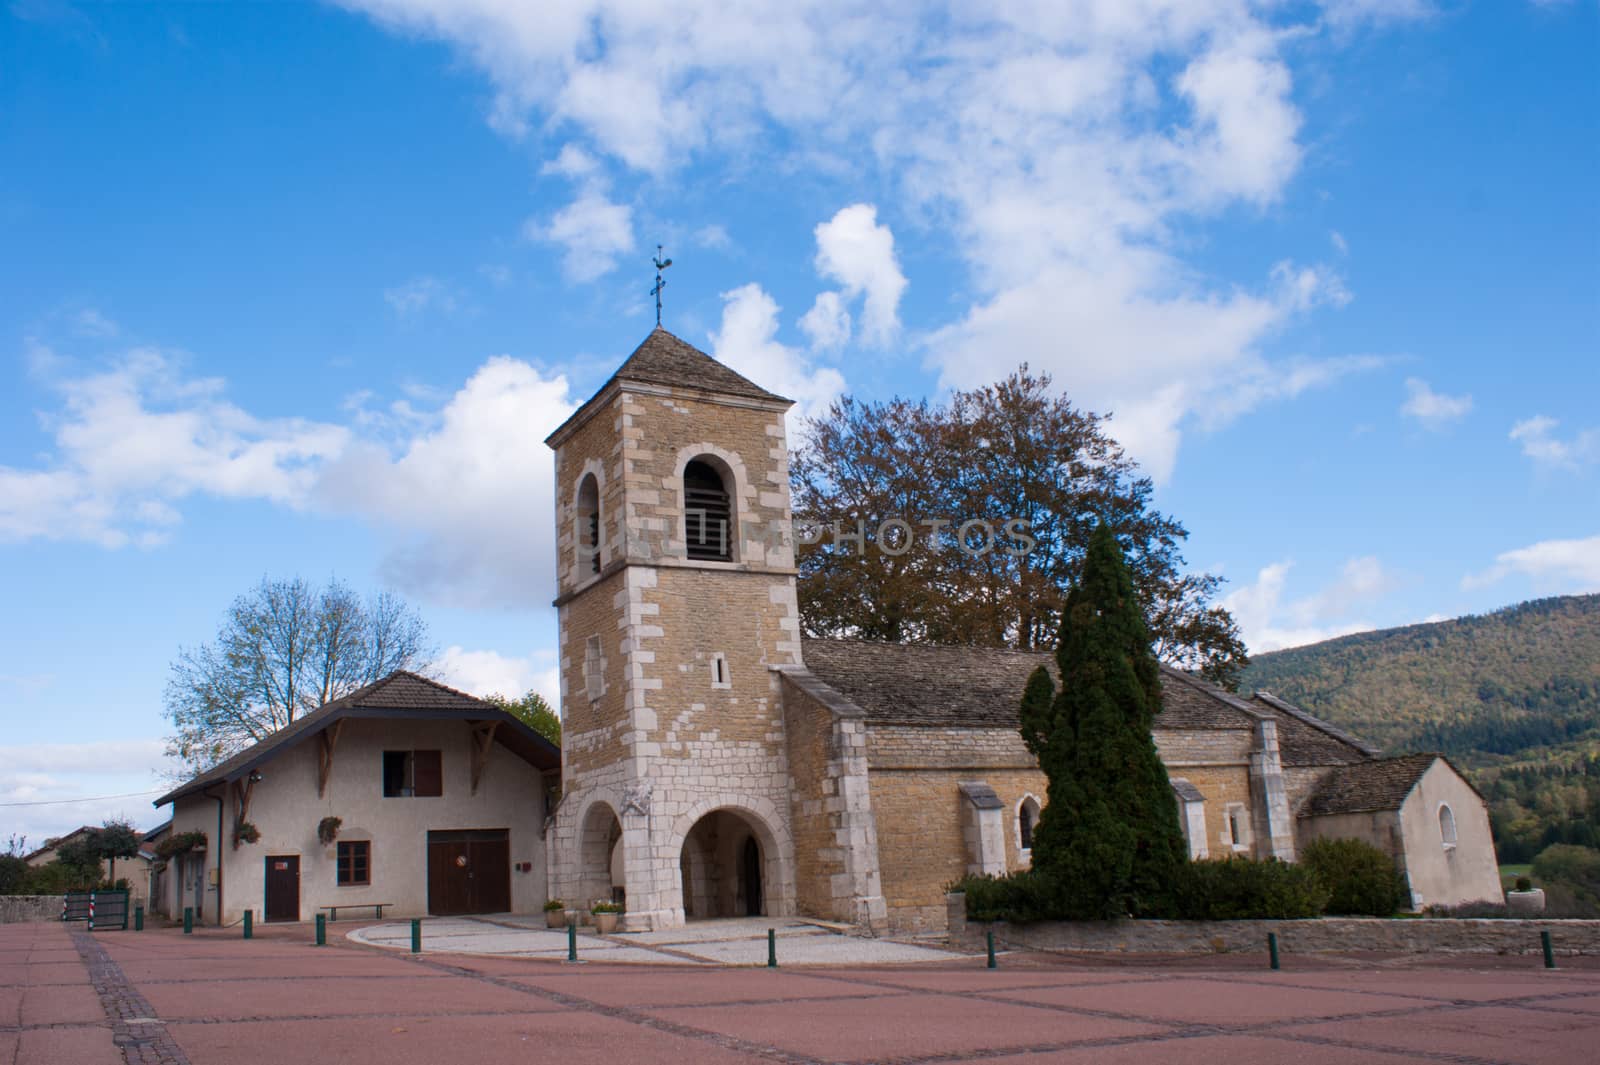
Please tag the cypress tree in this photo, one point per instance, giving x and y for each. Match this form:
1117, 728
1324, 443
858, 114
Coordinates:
1108, 842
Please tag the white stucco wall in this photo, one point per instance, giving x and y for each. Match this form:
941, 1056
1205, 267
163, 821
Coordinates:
1448, 876
286, 809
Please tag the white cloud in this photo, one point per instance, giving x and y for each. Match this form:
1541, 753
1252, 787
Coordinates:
64, 782
1567, 567
594, 231
1433, 409
1539, 443
133, 440
1066, 149
1270, 623
488, 672
466, 500
747, 342
422, 294
858, 253
827, 323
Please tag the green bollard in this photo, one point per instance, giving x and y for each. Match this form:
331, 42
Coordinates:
1549, 955
572, 940
992, 963
138, 918
1272, 948
322, 930
188, 920
416, 935
249, 930
772, 948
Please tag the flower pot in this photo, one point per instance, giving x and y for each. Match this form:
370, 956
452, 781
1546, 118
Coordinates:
1525, 902
606, 922
555, 918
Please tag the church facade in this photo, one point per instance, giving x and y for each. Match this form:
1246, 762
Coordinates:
715, 763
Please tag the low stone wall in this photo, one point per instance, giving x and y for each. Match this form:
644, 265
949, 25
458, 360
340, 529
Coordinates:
15, 909
1419, 935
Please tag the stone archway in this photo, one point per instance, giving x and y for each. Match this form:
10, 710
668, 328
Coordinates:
599, 856
730, 867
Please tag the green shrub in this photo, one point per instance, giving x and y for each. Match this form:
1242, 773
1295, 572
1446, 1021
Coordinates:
1524, 883
1018, 898
1238, 889
1360, 879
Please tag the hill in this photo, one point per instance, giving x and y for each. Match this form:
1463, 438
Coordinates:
1481, 688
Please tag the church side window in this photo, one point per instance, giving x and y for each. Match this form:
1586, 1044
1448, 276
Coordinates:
1027, 821
588, 525
707, 513
594, 669
1236, 820
1447, 826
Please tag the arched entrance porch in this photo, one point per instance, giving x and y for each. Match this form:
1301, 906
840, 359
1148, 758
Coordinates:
729, 868
600, 857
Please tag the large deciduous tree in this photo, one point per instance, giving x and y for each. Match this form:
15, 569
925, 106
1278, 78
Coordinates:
284, 649
534, 711
915, 481
1108, 843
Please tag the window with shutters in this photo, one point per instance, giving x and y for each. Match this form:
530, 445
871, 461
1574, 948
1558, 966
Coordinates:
587, 531
355, 862
412, 774
707, 513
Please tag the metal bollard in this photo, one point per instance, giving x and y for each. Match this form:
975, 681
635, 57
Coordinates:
322, 930
772, 948
992, 963
249, 930
572, 940
1549, 955
188, 920
1272, 948
138, 918
416, 935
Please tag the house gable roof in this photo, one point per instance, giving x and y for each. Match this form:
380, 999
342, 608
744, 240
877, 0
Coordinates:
668, 361
55, 841
981, 687
399, 695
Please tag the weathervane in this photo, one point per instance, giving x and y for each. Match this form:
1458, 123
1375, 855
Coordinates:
661, 283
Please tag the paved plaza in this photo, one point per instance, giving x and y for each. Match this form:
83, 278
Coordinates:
71, 997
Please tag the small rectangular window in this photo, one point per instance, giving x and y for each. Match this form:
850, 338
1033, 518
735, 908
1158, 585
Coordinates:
355, 862
412, 773
719, 672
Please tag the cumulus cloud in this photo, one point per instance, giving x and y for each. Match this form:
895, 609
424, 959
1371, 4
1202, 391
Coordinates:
1537, 436
1270, 622
133, 440
1433, 409
59, 786
1067, 150
827, 323
594, 231
465, 500
488, 672
747, 341
858, 253
1567, 567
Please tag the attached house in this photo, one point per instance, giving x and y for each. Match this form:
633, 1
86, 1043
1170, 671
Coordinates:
135, 871
406, 794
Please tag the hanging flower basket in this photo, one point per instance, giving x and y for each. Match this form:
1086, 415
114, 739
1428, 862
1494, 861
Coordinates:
328, 829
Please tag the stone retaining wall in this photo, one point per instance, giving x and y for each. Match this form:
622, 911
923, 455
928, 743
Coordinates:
15, 909
1420, 935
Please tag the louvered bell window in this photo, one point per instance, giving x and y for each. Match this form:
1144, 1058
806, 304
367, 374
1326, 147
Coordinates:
707, 514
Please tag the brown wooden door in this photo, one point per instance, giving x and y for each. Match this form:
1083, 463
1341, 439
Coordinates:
469, 872
283, 887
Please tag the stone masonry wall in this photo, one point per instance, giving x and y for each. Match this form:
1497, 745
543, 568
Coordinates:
15, 909
1321, 935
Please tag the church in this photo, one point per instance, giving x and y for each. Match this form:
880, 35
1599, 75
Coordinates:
717, 763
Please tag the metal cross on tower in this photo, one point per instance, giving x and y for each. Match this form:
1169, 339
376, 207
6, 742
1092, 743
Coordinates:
661, 282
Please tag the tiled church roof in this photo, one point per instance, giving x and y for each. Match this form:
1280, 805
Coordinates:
664, 359
1376, 784
1307, 740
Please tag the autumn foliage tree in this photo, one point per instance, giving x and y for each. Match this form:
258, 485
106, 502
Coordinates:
915, 481
1108, 843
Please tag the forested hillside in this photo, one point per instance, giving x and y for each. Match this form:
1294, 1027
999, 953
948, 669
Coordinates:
1513, 697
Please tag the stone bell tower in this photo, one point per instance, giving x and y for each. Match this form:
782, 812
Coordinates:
676, 581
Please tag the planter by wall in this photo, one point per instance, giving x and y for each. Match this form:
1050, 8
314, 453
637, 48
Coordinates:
606, 922
1525, 902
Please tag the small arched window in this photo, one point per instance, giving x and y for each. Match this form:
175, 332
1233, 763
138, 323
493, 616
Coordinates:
1447, 825
588, 525
707, 513
1027, 821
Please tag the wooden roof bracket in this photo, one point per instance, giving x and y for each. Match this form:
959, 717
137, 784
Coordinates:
329, 739
482, 739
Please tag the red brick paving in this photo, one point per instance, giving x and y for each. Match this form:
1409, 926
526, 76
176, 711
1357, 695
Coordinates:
71, 998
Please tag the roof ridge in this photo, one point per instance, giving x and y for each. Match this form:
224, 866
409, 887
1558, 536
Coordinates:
927, 644
1315, 722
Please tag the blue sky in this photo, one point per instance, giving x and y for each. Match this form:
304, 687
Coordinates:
299, 289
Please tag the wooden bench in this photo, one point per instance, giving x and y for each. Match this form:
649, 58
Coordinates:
375, 907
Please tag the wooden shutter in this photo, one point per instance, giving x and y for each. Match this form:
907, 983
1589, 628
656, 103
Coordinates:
428, 773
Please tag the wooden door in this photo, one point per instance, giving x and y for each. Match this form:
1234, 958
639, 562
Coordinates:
469, 871
283, 887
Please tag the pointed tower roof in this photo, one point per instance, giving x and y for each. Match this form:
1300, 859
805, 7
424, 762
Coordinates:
665, 360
